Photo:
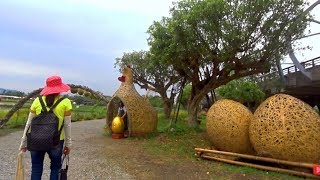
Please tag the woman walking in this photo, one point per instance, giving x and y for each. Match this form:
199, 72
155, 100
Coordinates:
61, 107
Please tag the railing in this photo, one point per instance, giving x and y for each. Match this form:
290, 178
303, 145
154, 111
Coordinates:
307, 65
292, 69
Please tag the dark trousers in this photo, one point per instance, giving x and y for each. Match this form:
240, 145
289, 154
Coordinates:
37, 158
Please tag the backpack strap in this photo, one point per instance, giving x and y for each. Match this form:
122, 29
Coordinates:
51, 110
44, 108
55, 104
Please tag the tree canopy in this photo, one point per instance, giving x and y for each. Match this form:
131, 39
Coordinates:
150, 73
212, 42
241, 91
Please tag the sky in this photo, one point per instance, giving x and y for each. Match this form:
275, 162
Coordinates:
312, 42
80, 39
75, 39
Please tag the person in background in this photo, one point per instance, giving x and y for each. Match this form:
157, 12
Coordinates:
122, 112
50, 94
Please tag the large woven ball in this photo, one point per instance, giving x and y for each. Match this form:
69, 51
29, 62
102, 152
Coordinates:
228, 126
286, 128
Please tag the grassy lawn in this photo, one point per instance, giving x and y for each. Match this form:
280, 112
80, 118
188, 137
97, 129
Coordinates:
178, 142
174, 144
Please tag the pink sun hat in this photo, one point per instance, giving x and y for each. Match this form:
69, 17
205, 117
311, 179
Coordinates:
54, 85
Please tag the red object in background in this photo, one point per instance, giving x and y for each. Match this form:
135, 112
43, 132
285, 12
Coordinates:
316, 170
122, 78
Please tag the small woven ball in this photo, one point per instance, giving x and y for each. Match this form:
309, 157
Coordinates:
228, 126
286, 128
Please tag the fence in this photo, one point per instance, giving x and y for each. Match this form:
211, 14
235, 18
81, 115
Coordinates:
292, 69
307, 65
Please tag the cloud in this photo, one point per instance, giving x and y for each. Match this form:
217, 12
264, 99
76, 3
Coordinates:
145, 7
98, 27
10, 67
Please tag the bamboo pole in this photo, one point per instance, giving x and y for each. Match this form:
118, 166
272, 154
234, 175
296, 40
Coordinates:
246, 156
262, 167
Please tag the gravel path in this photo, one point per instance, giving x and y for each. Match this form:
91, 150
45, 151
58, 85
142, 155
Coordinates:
86, 159
96, 156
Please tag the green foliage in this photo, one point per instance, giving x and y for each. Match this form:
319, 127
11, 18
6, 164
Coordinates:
241, 91
87, 112
212, 42
18, 119
180, 127
150, 73
268, 82
14, 93
80, 91
156, 101
79, 113
86, 100
186, 95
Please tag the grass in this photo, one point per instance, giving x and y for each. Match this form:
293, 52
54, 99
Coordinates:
18, 119
80, 113
176, 144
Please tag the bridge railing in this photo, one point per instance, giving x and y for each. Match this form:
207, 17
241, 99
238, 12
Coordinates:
307, 65
292, 69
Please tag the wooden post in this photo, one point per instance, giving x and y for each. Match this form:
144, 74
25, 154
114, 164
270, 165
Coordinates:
246, 156
263, 167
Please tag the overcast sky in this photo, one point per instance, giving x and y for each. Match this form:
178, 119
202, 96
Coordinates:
79, 40
76, 39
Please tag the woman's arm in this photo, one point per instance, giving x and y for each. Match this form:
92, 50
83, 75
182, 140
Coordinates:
23, 144
124, 115
67, 132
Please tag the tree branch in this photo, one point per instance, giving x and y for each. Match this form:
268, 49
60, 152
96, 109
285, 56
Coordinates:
315, 21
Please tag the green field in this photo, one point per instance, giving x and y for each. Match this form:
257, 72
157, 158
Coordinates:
79, 113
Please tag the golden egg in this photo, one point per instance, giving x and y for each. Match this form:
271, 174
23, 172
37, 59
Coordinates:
117, 125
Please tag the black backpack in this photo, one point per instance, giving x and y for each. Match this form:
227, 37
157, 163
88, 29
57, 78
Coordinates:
43, 133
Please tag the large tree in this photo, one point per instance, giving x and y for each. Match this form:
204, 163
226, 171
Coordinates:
211, 42
148, 73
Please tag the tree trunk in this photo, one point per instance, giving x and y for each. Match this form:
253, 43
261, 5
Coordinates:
167, 108
193, 109
167, 103
193, 116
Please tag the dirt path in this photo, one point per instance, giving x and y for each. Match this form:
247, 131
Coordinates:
95, 156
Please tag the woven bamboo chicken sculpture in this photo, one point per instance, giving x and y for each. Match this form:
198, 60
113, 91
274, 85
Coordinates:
141, 115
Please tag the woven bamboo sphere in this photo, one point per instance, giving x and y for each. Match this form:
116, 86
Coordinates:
286, 128
228, 126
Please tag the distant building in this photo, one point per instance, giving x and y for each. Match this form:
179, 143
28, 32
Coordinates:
9, 97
